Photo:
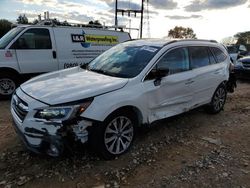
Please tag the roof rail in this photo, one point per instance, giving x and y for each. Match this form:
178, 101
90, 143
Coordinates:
202, 40
170, 42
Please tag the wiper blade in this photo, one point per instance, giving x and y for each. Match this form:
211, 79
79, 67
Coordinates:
97, 70
103, 72
85, 66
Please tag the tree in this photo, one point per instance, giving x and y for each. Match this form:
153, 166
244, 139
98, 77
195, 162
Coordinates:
95, 23
182, 33
243, 37
5, 26
22, 19
35, 22
65, 23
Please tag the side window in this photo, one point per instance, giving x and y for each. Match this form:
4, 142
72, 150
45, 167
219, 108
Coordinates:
34, 39
220, 56
211, 57
176, 61
199, 56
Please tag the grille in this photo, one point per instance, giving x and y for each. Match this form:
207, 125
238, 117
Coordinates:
20, 107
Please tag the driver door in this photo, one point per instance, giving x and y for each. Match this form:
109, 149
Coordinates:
35, 51
172, 94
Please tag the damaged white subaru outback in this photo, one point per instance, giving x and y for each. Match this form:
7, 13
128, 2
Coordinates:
132, 84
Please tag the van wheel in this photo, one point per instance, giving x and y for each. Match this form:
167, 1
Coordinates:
218, 100
114, 136
8, 84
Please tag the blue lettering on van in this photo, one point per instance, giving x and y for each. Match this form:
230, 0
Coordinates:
80, 38
85, 44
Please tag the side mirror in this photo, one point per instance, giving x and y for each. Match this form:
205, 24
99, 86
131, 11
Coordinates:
159, 74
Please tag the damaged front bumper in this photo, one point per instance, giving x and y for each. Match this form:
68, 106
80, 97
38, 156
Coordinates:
41, 136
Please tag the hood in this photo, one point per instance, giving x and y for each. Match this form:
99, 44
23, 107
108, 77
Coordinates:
70, 85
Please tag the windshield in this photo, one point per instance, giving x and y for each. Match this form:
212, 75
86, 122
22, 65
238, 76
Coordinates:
125, 60
8, 37
232, 49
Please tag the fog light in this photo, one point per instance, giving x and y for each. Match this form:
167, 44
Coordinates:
53, 151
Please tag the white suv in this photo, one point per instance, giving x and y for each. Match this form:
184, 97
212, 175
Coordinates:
132, 84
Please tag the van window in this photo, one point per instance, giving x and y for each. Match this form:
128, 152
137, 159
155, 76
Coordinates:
220, 56
176, 61
198, 56
34, 39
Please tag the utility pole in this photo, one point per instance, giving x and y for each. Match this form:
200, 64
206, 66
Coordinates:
129, 11
116, 21
142, 9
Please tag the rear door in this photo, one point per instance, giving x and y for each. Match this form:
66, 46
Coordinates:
173, 95
35, 51
205, 70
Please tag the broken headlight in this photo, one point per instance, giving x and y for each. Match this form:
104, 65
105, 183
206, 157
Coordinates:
53, 113
61, 112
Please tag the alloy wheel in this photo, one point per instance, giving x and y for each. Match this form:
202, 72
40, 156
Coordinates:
219, 99
118, 135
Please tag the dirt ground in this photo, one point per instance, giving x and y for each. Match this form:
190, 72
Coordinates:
194, 149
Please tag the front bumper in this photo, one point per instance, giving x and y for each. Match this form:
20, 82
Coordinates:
43, 137
45, 144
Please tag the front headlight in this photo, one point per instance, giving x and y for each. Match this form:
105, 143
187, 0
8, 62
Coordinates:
61, 112
53, 113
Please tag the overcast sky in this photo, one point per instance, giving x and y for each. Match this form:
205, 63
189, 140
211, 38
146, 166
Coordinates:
210, 19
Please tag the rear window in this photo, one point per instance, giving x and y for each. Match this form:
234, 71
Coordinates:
198, 56
211, 57
219, 55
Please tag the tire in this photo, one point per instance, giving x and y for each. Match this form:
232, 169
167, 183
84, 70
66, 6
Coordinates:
218, 100
8, 84
109, 139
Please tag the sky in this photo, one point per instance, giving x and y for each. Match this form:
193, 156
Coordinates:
210, 19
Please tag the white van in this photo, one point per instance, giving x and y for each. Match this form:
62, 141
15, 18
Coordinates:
30, 50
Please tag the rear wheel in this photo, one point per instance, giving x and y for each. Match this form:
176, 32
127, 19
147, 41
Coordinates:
115, 136
8, 84
218, 100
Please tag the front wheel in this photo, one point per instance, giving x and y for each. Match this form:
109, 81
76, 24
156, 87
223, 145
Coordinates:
8, 84
115, 136
218, 100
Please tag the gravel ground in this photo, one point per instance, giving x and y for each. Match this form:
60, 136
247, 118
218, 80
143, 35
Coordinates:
194, 149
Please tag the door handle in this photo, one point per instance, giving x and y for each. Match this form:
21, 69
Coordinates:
54, 54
